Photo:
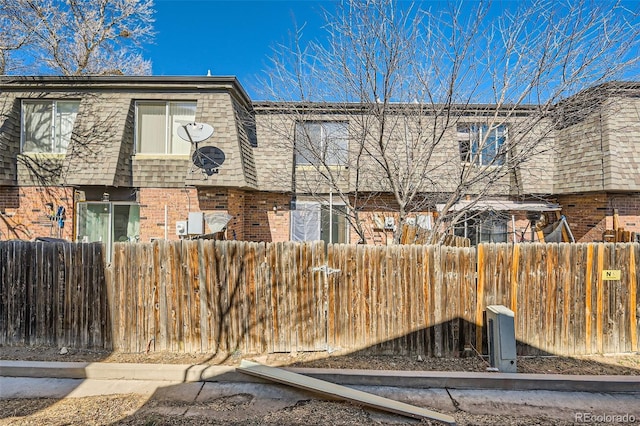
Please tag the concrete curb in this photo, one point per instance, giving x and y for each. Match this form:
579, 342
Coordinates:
120, 371
406, 379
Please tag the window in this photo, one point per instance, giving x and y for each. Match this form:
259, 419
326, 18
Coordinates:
157, 127
321, 143
482, 228
47, 125
482, 145
312, 221
107, 222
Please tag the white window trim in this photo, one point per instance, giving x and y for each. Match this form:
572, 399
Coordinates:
480, 161
321, 204
311, 164
108, 244
166, 128
52, 129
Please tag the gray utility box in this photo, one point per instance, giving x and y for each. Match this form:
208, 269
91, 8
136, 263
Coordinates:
502, 338
195, 224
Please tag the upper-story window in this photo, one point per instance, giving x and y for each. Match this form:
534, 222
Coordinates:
47, 125
321, 143
157, 125
479, 144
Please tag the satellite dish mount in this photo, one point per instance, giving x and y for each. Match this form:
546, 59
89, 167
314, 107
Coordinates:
208, 158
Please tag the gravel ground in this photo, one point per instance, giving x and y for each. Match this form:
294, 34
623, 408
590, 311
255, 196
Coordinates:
620, 364
134, 410
234, 410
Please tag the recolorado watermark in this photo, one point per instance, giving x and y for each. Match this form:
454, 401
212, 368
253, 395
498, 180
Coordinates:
604, 418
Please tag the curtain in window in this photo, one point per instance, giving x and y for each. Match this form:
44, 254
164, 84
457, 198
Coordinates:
476, 133
322, 143
493, 230
65, 116
133, 226
305, 222
151, 127
308, 145
338, 224
126, 222
36, 122
180, 113
94, 222
335, 143
493, 150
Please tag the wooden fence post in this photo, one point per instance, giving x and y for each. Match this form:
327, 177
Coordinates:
599, 298
480, 297
633, 316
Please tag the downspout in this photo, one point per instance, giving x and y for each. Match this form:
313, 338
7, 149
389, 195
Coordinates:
330, 216
601, 149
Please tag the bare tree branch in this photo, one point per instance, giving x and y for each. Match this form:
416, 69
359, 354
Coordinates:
76, 37
410, 77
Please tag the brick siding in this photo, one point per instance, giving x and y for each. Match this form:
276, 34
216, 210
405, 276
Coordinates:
178, 202
253, 216
590, 214
24, 213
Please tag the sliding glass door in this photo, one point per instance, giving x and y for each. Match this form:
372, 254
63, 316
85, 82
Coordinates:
107, 222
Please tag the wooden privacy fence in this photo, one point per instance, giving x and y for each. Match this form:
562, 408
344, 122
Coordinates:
209, 296
282, 297
567, 298
53, 294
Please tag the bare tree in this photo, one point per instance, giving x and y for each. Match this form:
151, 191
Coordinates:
75, 37
453, 101
69, 38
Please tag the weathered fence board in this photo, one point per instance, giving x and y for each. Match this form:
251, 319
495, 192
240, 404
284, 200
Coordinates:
53, 294
219, 296
223, 296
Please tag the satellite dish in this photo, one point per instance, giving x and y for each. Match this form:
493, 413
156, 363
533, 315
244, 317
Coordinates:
195, 132
208, 158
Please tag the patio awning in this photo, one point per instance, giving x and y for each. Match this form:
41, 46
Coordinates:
502, 205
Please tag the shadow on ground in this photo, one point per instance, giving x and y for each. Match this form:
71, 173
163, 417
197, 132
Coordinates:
220, 403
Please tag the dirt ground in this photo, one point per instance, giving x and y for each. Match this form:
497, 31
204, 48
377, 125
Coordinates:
234, 410
619, 364
131, 410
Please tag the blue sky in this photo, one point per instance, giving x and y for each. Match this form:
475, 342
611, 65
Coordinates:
235, 37
226, 37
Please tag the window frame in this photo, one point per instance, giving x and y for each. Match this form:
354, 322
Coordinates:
479, 226
167, 125
53, 135
471, 136
82, 207
330, 157
321, 209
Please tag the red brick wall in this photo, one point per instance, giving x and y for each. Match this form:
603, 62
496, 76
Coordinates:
24, 213
236, 227
178, 202
253, 216
590, 214
628, 206
213, 199
262, 222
